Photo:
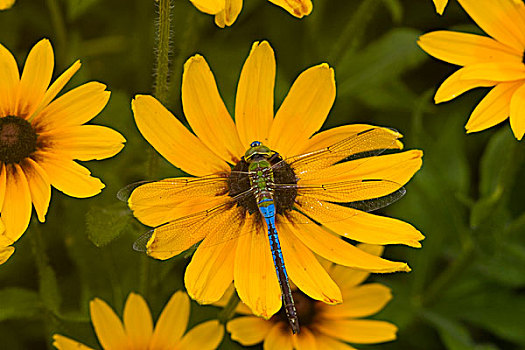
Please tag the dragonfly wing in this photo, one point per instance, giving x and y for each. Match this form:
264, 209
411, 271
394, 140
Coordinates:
367, 143
345, 191
222, 222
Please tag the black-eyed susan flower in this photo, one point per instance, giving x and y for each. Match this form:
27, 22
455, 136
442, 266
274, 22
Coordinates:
324, 326
496, 61
41, 137
440, 5
6, 4
221, 209
137, 331
226, 11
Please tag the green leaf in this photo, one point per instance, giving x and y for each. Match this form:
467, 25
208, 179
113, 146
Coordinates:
379, 64
106, 224
19, 303
453, 334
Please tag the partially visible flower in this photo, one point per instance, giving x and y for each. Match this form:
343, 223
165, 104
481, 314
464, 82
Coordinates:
6, 4
137, 331
40, 137
226, 11
440, 5
324, 326
495, 61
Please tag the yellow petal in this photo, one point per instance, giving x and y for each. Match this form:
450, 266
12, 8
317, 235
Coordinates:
36, 77
159, 202
63, 343
74, 108
304, 269
84, 142
172, 322
340, 252
210, 271
39, 187
107, 325
396, 167
494, 108
68, 176
205, 336
57, 86
297, 8
209, 6
254, 101
358, 331
361, 226
230, 13
362, 301
6, 4
440, 5
324, 342
305, 340
454, 86
503, 20
496, 71
206, 112
254, 272
248, 330
332, 136
279, 338
517, 112
9, 82
465, 49
172, 140
137, 321
5, 253
303, 111
16, 210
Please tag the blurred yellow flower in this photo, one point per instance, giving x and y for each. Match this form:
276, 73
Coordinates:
226, 11
5, 249
496, 61
6, 4
324, 326
137, 331
235, 247
40, 137
440, 5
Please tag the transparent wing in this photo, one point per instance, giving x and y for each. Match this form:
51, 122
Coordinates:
344, 191
223, 221
367, 143
177, 191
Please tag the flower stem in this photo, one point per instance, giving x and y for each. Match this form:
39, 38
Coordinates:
163, 51
229, 309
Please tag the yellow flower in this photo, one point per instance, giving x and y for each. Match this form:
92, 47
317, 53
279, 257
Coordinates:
5, 250
226, 11
440, 5
324, 326
245, 257
137, 332
6, 4
40, 137
495, 61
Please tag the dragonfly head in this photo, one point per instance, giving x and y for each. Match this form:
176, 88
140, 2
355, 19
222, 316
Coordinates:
257, 148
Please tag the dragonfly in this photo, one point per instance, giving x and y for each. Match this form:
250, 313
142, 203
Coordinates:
266, 185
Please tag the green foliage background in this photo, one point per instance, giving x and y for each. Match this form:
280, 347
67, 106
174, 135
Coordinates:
466, 290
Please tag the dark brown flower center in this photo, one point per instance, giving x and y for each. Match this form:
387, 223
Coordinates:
523, 57
284, 199
17, 139
306, 307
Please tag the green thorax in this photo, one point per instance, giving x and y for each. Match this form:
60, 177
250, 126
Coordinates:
257, 156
